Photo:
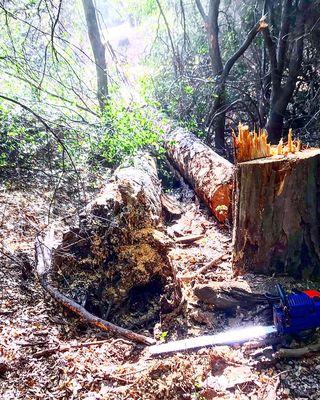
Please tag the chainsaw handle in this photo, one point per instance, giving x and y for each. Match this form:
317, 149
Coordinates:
282, 294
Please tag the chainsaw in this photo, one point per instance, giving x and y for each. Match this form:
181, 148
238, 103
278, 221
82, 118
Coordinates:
293, 314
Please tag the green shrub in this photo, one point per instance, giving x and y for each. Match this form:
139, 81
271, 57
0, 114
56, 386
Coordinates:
128, 129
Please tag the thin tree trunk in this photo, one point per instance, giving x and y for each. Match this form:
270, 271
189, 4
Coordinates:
98, 50
216, 123
282, 93
275, 125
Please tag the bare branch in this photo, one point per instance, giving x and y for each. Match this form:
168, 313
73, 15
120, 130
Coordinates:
259, 26
201, 10
44, 123
175, 55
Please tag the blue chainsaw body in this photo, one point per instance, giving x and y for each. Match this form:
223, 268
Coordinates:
297, 312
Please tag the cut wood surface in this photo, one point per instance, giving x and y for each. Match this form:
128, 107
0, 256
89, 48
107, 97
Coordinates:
209, 174
277, 215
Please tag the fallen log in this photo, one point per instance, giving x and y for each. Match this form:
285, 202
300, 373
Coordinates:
226, 296
117, 257
208, 173
277, 215
43, 268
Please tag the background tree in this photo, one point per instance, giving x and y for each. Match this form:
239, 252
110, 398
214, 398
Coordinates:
216, 118
98, 50
285, 45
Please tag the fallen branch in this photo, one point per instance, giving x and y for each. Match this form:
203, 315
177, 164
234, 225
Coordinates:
188, 239
298, 352
62, 349
213, 263
43, 269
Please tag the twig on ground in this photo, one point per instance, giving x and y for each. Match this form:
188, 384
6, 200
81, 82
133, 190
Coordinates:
298, 352
188, 239
210, 264
62, 349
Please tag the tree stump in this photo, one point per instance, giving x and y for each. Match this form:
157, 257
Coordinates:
277, 215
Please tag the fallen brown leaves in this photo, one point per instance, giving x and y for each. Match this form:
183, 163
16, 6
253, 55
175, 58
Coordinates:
80, 363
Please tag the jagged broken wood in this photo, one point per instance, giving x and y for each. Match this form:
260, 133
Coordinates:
43, 268
208, 173
277, 215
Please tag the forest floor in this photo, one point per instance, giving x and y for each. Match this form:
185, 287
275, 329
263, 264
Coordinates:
89, 364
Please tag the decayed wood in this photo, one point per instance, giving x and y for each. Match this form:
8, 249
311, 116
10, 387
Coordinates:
44, 262
120, 242
117, 255
228, 295
209, 174
277, 215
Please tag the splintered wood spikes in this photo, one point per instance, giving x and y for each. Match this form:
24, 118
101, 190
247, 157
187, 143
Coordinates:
252, 145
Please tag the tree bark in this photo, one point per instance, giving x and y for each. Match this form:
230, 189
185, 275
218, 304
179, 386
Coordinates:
277, 215
98, 50
120, 244
228, 295
209, 174
275, 124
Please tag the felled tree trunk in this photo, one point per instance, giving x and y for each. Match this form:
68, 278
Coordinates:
119, 245
209, 174
277, 215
